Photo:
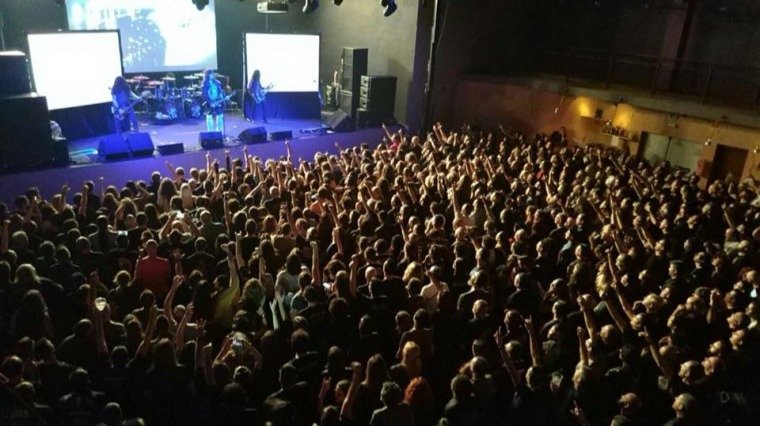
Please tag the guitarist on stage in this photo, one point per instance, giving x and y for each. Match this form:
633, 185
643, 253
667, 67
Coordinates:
124, 101
258, 95
214, 97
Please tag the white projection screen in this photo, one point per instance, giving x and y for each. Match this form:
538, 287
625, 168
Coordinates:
156, 35
290, 62
75, 68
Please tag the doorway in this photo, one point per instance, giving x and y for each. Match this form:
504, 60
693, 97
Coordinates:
728, 161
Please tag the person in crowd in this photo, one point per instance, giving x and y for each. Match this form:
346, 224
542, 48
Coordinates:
463, 277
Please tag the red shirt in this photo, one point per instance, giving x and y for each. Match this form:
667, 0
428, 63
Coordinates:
153, 273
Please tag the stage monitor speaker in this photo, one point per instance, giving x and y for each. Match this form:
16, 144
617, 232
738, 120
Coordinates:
113, 147
211, 140
140, 144
171, 148
253, 135
25, 137
341, 122
15, 72
281, 135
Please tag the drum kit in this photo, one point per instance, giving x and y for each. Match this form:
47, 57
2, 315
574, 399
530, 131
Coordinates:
168, 102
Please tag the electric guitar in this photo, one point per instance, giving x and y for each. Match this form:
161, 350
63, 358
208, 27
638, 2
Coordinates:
122, 112
208, 106
261, 96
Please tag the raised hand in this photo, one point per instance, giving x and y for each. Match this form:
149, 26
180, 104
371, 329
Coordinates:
177, 281
356, 369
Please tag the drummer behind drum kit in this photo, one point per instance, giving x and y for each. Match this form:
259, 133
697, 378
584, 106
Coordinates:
166, 101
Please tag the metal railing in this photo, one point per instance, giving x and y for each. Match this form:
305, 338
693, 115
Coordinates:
722, 85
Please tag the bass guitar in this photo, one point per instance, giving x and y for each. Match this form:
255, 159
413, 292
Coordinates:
208, 106
261, 95
122, 112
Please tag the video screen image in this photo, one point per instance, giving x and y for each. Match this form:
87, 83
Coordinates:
75, 68
289, 62
156, 35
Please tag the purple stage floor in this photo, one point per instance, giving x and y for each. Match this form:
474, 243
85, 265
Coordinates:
117, 173
84, 151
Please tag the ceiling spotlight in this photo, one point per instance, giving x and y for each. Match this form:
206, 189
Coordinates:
200, 4
338, 2
390, 7
310, 6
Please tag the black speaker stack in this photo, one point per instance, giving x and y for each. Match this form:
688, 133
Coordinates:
354, 61
25, 136
377, 101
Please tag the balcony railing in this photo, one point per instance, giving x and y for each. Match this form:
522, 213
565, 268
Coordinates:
708, 83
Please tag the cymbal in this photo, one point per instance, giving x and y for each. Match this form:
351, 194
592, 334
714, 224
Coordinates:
132, 81
154, 82
168, 79
191, 77
199, 74
221, 76
141, 77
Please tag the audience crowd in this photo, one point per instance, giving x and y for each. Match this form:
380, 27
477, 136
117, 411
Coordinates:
458, 278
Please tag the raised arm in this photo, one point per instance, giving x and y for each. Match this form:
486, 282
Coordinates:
145, 345
169, 301
535, 347
354, 267
655, 351
583, 351
507, 360
179, 335
347, 409
585, 304
316, 269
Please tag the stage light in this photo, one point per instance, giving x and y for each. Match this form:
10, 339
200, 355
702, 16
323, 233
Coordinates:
390, 8
310, 6
200, 4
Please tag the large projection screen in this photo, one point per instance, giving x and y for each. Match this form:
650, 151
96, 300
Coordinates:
156, 35
290, 62
75, 68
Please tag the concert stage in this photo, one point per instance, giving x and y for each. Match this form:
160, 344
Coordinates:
85, 151
118, 172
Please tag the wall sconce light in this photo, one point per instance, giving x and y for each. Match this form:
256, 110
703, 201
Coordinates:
708, 142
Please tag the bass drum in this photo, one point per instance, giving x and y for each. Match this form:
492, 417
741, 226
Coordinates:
171, 108
193, 109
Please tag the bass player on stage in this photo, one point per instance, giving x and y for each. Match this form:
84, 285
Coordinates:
258, 95
214, 97
124, 101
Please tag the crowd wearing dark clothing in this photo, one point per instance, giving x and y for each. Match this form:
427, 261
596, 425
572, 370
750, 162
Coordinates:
458, 278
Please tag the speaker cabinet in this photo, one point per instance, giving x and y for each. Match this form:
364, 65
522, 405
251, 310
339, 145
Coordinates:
113, 147
346, 102
378, 95
25, 138
140, 144
281, 135
253, 135
354, 65
211, 140
15, 74
171, 148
